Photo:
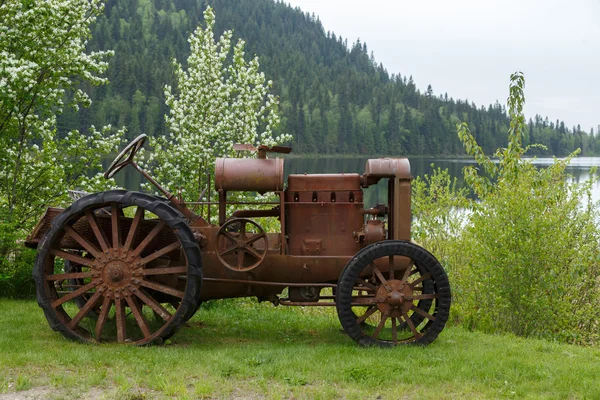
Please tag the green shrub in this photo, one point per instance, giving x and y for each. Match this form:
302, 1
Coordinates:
440, 211
531, 258
16, 263
524, 258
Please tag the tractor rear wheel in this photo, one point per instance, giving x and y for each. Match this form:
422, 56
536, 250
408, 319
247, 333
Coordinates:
138, 274
393, 292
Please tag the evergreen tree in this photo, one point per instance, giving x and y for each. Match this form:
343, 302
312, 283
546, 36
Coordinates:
306, 64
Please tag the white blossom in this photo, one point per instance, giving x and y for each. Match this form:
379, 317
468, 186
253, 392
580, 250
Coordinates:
42, 51
220, 99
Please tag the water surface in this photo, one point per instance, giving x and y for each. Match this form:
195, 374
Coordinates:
579, 169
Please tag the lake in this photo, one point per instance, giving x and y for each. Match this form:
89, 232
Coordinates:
579, 169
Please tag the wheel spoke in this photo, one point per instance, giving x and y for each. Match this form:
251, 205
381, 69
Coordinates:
252, 252
71, 275
410, 324
161, 252
106, 306
423, 296
149, 238
120, 319
394, 331
377, 272
67, 291
85, 309
422, 313
367, 286
384, 318
255, 238
139, 214
138, 315
407, 271
366, 315
84, 243
240, 258
100, 236
162, 288
74, 294
243, 230
229, 236
165, 271
73, 257
419, 280
364, 300
153, 304
116, 226
391, 266
230, 250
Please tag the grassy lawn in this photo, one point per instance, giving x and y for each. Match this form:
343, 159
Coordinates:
240, 349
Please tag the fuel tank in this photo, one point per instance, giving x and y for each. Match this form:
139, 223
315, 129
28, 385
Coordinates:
249, 174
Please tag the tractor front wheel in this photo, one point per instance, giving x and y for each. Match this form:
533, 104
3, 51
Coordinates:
393, 292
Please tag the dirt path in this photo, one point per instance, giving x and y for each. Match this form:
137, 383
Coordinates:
48, 393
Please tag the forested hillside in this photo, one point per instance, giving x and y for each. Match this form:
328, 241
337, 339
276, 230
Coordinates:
335, 97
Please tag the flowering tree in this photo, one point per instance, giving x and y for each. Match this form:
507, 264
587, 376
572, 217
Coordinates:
218, 102
42, 55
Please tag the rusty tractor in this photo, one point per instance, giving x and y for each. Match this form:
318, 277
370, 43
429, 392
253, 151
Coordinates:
133, 267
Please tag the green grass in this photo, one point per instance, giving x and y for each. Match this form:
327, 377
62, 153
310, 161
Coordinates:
248, 350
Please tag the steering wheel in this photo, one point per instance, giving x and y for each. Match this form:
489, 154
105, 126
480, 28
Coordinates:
125, 157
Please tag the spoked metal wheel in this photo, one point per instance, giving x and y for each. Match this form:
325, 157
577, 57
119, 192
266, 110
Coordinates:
73, 284
393, 292
118, 266
241, 244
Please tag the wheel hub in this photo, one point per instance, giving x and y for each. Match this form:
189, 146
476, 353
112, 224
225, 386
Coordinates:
396, 298
116, 273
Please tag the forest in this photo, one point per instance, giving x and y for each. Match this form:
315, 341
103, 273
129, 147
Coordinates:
334, 96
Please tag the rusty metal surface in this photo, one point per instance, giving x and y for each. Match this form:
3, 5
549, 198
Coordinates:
241, 244
42, 227
323, 224
247, 174
322, 215
376, 169
399, 219
323, 212
104, 223
323, 182
270, 277
374, 231
278, 284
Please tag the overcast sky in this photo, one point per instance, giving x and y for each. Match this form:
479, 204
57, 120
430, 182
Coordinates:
469, 48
